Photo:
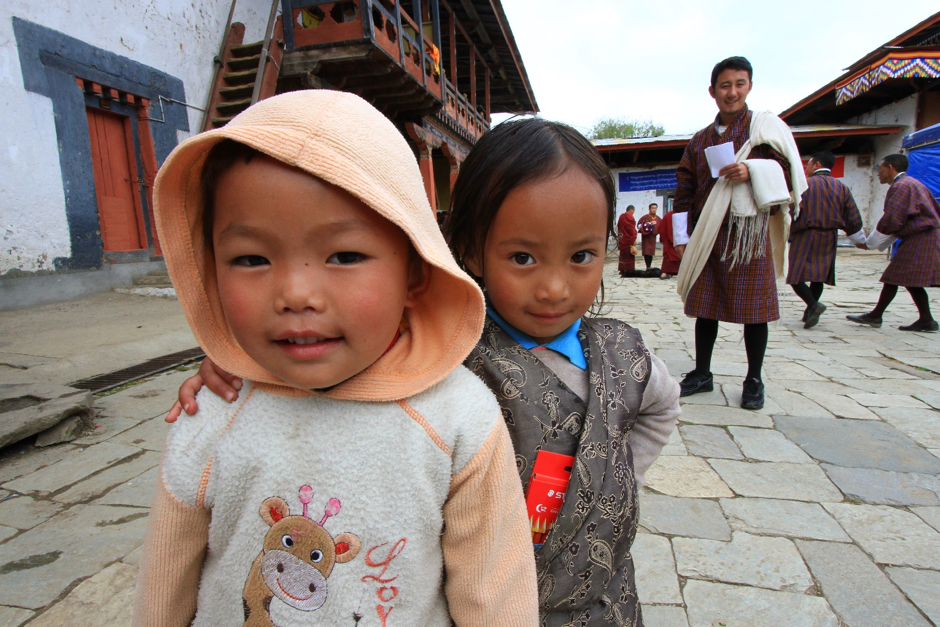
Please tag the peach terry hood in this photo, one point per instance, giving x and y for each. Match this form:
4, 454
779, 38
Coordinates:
342, 139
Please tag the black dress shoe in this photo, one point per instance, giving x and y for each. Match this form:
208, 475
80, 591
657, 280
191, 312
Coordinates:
865, 319
752, 396
812, 315
924, 326
696, 382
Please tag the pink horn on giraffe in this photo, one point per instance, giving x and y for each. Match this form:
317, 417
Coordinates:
305, 494
332, 509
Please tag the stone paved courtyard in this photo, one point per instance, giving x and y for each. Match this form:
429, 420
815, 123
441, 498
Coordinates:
822, 509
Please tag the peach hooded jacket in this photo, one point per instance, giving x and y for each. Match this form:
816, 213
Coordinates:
409, 461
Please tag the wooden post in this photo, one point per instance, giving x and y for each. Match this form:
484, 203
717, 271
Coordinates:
473, 76
426, 165
149, 159
452, 27
486, 75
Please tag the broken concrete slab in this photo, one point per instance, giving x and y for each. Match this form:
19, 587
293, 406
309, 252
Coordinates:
66, 431
858, 444
19, 424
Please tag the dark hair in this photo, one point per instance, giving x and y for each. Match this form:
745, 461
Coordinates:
653, 204
630, 208
512, 154
824, 158
221, 157
896, 161
732, 63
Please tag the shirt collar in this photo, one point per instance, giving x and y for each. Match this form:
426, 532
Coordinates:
899, 175
566, 344
822, 171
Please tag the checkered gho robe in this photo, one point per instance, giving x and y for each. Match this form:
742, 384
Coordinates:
912, 215
745, 294
826, 206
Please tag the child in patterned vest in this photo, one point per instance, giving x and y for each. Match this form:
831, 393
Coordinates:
364, 474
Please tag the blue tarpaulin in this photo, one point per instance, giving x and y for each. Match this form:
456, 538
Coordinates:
924, 156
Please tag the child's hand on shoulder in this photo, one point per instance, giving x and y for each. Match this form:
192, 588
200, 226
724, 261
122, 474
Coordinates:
223, 383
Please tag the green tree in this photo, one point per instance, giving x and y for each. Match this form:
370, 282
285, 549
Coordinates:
622, 128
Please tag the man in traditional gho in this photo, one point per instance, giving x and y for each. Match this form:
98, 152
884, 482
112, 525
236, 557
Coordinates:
912, 216
827, 207
626, 241
647, 228
735, 232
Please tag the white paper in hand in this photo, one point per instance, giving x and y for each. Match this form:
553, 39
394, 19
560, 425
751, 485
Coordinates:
719, 156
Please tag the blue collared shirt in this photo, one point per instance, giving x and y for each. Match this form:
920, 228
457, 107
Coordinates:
567, 343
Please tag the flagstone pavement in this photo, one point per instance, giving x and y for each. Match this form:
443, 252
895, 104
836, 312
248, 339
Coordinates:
822, 509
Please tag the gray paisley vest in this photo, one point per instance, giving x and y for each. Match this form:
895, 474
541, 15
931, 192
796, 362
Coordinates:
585, 571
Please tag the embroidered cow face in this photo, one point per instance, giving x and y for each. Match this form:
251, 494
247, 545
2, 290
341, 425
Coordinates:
297, 558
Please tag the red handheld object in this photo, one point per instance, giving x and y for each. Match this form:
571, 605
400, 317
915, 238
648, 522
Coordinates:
546, 493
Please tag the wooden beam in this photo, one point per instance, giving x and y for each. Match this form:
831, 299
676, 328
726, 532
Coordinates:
473, 76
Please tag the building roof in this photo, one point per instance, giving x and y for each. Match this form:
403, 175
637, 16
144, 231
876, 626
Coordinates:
914, 54
510, 90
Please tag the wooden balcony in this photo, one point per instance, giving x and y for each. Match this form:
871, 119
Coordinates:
369, 47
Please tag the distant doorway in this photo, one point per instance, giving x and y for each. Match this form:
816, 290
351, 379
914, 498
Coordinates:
117, 181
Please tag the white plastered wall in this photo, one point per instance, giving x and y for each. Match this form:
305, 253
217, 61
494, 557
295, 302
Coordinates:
177, 37
641, 200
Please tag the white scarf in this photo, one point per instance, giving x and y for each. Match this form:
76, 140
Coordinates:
749, 215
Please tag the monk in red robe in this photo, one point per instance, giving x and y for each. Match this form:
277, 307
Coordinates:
647, 228
671, 256
626, 241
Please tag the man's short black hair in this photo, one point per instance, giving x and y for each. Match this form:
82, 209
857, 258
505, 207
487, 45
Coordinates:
732, 63
630, 208
825, 159
896, 161
654, 204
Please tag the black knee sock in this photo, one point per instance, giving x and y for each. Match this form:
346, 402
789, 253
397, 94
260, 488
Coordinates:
804, 292
922, 301
816, 287
888, 292
649, 260
755, 344
706, 332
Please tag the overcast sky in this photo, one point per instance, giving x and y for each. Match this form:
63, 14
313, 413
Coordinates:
652, 59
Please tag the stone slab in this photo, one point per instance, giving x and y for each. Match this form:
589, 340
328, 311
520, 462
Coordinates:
79, 464
856, 588
772, 517
722, 605
693, 518
34, 570
886, 400
685, 477
930, 515
104, 428
881, 487
705, 441
149, 399
114, 477
22, 459
767, 445
921, 425
777, 480
137, 492
723, 416
792, 403
150, 434
14, 616
24, 512
889, 535
66, 431
656, 579
664, 616
772, 563
931, 399
105, 599
840, 406
19, 424
7, 532
674, 446
715, 397
922, 587
858, 444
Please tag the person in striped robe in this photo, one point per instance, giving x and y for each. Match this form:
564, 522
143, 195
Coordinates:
826, 206
743, 293
911, 215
